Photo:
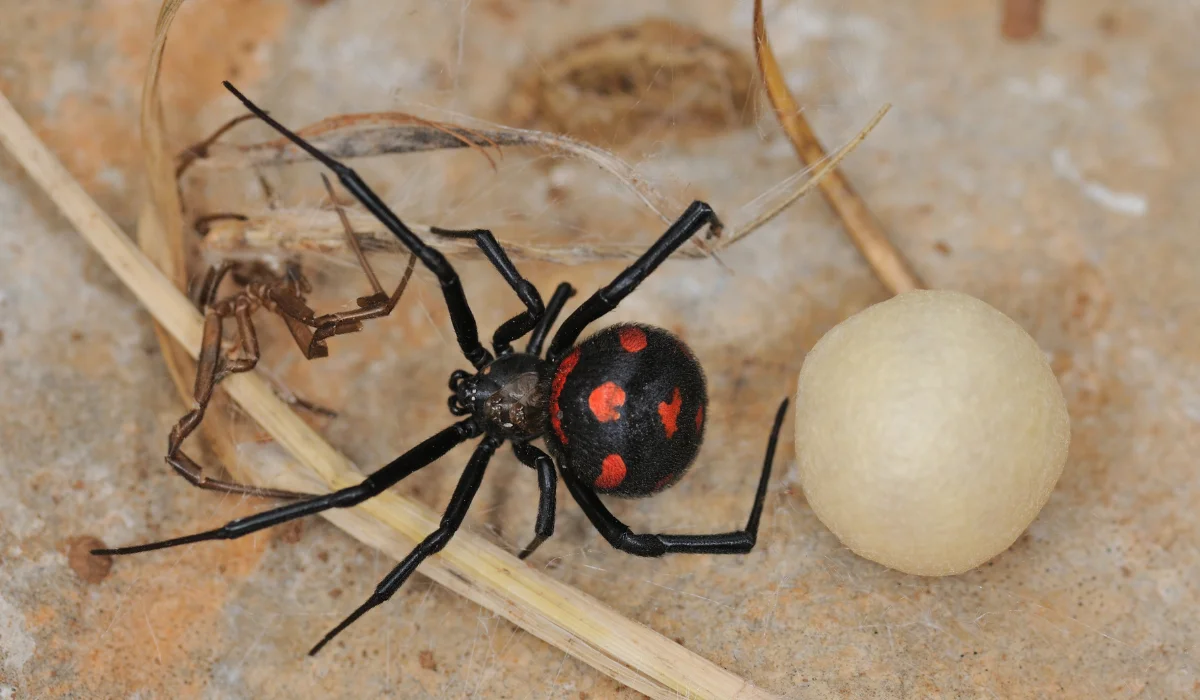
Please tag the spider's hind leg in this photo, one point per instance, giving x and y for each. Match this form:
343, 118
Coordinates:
621, 537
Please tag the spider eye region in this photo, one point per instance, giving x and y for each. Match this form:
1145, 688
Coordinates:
507, 397
627, 410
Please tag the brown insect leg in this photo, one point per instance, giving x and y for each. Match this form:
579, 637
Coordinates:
374, 306
200, 150
204, 223
299, 318
286, 297
248, 340
204, 295
210, 369
352, 240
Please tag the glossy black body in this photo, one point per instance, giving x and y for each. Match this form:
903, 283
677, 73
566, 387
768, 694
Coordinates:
518, 397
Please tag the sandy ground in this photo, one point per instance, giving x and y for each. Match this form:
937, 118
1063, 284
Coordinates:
1055, 179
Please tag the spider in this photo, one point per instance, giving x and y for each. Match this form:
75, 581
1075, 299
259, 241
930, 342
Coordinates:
622, 413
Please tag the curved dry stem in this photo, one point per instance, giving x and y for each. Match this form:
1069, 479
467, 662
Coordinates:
350, 136
309, 230
890, 266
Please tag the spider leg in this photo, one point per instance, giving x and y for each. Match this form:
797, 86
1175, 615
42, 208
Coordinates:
312, 341
452, 519
374, 484
563, 292
697, 216
378, 304
204, 295
465, 328
621, 537
351, 239
532, 457
522, 323
211, 368
310, 331
200, 150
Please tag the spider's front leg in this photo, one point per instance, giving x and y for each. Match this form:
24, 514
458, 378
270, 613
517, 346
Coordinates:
694, 218
465, 328
522, 323
621, 537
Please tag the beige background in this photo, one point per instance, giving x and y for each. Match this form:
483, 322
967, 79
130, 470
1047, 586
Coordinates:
1054, 179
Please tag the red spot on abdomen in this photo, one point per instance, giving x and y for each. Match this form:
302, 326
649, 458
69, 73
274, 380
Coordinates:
699, 417
604, 401
663, 481
632, 339
556, 388
612, 472
669, 412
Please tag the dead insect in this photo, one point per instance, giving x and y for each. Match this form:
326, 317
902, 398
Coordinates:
283, 295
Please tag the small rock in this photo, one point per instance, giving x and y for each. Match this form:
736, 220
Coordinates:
427, 662
89, 567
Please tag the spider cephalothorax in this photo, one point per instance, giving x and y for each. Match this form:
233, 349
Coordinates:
507, 397
623, 412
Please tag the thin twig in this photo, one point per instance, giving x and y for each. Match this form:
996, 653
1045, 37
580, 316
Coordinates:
350, 136
864, 229
470, 566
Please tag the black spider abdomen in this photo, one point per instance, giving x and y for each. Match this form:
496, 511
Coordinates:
627, 410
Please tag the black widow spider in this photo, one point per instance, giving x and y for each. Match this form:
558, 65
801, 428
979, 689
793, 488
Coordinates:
622, 412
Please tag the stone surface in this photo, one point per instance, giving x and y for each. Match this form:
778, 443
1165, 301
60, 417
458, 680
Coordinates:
1053, 178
